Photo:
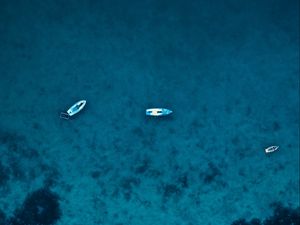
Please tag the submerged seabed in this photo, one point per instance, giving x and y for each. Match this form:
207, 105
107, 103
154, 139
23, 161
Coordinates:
229, 71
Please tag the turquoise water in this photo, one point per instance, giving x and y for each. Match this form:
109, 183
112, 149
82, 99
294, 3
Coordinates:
228, 70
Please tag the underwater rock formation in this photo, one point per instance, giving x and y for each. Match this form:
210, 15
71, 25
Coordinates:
4, 174
2, 217
281, 216
39, 208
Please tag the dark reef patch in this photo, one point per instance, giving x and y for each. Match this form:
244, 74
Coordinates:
281, 216
36, 126
51, 176
142, 167
276, 126
154, 173
170, 191
4, 174
2, 217
17, 144
127, 184
39, 208
244, 222
15, 147
95, 174
16, 169
210, 175
183, 180
196, 125
235, 140
137, 131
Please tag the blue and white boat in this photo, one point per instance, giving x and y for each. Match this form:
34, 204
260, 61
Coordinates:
158, 112
74, 109
271, 149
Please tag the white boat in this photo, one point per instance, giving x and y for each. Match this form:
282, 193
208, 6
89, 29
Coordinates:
158, 112
74, 109
271, 149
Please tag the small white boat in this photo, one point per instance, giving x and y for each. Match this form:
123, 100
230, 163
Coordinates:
74, 109
158, 112
271, 149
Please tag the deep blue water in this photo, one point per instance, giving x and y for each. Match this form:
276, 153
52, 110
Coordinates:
228, 69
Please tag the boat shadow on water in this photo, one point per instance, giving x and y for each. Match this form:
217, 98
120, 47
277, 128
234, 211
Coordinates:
159, 119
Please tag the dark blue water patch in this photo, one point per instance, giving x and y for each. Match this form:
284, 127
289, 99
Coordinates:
17, 144
2, 217
170, 190
126, 187
143, 166
254, 221
40, 207
32, 165
95, 174
4, 174
282, 215
211, 174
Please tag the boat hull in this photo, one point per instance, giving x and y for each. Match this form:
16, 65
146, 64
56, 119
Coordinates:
158, 112
76, 108
271, 149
